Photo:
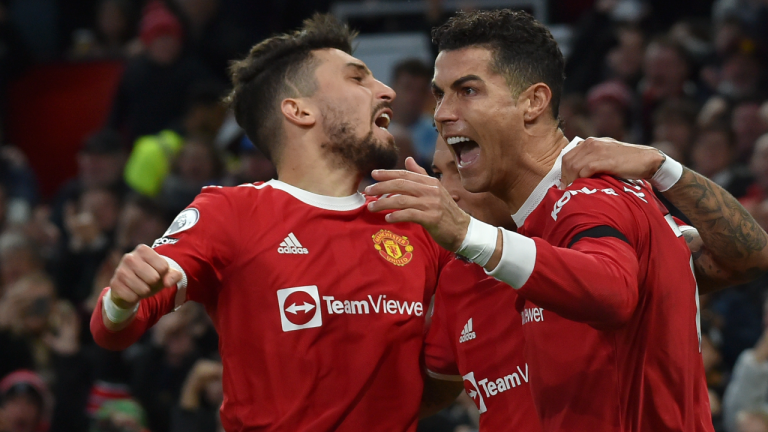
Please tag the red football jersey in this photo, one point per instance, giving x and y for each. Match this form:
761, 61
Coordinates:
476, 337
319, 305
608, 257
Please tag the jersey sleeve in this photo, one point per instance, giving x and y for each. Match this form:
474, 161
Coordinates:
586, 267
150, 311
439, 356
201, 243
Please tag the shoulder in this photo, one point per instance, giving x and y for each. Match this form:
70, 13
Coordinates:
597, 195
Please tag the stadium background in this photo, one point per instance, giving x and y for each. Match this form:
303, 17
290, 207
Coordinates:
110, 123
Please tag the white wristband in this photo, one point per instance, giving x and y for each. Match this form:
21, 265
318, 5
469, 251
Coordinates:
479, 243
668, 174
115, 313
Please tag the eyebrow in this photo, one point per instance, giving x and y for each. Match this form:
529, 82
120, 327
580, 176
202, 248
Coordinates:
360, 67
458, 83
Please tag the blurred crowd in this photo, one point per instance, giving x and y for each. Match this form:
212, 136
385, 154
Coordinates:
695, 86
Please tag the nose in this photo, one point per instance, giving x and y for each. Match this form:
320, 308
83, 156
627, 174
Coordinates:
444, 111
383, 91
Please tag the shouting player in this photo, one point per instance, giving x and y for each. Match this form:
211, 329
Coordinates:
318, 303
476, 340
608, 296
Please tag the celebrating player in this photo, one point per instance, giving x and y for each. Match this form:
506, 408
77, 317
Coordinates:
476, 336
610, 301
319, 304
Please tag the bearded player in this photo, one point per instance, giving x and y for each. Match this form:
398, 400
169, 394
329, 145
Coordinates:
599, 262
318, 303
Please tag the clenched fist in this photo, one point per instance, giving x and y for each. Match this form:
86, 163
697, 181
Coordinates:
141, 274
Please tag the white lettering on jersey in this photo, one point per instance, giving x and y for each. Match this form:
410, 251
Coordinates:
500, 385
164, 241
299, 308
568, 194
474, 392
467, 333
381, 305
291, 245
532, 314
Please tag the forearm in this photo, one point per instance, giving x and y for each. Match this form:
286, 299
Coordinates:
594, 282
731, 236
119, 336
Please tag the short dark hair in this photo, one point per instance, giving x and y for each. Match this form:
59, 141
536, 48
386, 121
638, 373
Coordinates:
280, 67
524, 51
413, 67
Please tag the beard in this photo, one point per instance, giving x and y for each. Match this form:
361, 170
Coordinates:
364, 154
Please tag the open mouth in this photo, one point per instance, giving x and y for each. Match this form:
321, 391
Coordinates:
383, 120
467, 150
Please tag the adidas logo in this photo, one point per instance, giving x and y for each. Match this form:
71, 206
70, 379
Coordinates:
467, 333
291, 245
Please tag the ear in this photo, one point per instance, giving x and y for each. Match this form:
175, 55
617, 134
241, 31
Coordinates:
298, 112
538, 97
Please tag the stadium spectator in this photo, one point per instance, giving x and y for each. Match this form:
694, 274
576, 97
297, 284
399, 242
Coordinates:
152, 91
201, 395
712, 155
625, 60
748, 125
100, 165
124, 415
197, 165
675, 122
152, 156
410, 80
25, 403
19, 257
113, 34
610, 106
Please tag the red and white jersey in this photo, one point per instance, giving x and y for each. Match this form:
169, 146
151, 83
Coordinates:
611, 315
476, 337
319, 305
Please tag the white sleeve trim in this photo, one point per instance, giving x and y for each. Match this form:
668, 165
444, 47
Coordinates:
444, 377
667, 175
518, 258
181, 286
115, 313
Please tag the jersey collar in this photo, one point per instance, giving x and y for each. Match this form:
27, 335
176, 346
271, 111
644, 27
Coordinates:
551, 179
324, 202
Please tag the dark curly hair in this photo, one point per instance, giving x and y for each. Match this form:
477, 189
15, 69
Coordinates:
524, 51
277, 68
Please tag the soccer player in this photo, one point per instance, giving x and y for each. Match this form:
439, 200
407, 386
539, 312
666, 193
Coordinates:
476, 337
610, 303
319, 304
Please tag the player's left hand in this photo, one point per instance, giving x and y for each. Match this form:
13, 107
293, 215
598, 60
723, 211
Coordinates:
422, 199
606, 155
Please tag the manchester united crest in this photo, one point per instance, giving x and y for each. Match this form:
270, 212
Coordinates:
392, 247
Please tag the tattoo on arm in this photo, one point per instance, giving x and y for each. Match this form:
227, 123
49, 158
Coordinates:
731, 236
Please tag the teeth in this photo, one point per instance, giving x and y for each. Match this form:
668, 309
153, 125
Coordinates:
456, 140
387, 120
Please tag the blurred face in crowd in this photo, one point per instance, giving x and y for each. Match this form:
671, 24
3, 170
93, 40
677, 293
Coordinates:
103, 205
748, 125
711, 153
477, 103
412, 95
196, 162
205, 120
665, 71
675, 131
20, 413
165, 50
100, 170
16, 263
198, 12
353, 111
749, 422
740, 76
626, 59
111, 21
39, 295
608, 119
482, 206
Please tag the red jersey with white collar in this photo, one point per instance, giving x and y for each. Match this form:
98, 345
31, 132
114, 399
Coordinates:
319, 305
476, 336
617, 345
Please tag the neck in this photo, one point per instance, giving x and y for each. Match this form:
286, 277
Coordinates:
315, 173
531, 168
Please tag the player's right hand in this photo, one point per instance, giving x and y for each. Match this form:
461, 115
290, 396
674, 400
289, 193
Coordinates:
141, 274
